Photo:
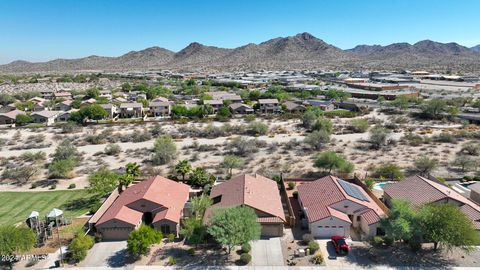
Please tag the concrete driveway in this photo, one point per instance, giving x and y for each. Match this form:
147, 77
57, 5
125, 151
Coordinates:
267, 252
111, 254
332, 259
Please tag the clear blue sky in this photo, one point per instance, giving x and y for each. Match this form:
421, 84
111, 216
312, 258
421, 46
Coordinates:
39, 30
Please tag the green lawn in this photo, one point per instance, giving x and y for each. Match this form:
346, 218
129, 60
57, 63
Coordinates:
16, 206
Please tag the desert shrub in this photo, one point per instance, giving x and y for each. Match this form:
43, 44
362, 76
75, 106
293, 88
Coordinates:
291, 185
112, 149
317, 139
471, 148
80, 245
53, 186
378, 240
139, 241
191, 251
171, 237
72, 186
317, 258
359, 125
242, 146
172, 260
245, 258
21, 174
445, 137
164, 150
413, 139
96, 138
61, 168
70, 127
246, 248
307, 238
257, 128
388, 241
313, 246
33, 157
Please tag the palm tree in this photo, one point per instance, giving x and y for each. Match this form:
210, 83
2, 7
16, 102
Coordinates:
132, 171
183, 167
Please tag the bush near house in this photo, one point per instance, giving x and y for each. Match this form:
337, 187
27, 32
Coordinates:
80, 246
313, 246
245, 258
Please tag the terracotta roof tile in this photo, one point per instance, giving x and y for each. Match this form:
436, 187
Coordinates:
319, 195
255, 191
159, 190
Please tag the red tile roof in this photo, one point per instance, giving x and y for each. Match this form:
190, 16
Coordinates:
164, 192
254, 191
419, 190
318, 196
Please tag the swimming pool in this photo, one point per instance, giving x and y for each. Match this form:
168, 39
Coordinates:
379, 186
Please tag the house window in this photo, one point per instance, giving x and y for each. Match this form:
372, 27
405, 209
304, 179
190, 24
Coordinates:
327, 226
345, 206
334, 226
217, 199
340, 226
359, 218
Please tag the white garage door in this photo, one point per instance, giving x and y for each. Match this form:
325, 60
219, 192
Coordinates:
328, 231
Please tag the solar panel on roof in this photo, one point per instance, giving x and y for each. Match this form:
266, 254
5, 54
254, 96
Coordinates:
352, 190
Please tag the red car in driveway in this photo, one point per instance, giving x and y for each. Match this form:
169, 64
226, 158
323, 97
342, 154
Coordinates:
339, 244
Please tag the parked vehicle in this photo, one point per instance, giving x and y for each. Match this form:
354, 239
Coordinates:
340, 244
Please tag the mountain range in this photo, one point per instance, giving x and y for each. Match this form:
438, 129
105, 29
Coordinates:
302, 51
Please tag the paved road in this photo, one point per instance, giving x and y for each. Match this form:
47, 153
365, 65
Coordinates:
267, 252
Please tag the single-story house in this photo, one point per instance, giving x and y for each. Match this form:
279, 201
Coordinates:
293, 107
65, 116
419, 190
215, 103
160, 99
88, 102
63, 94
46, 117
111, 110
333, 206
160, 108
254, 191
106, 94
325, 105
131, 110
157, 201
64, 105
269, 105
240, 108
8, 118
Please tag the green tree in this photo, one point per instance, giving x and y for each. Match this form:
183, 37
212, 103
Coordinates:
329, 160
164, 150
434, 108
425, 165
378, 137
6, 99
369, 182
402, 222
16, 239
200, 204
224, 112
93, 92
466, 163
194, 231
80, 246
103, 181
22, 119
200, 177
183, 167
139, 241
446, 225
389, 171
234, 226
231, 162
310, 116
